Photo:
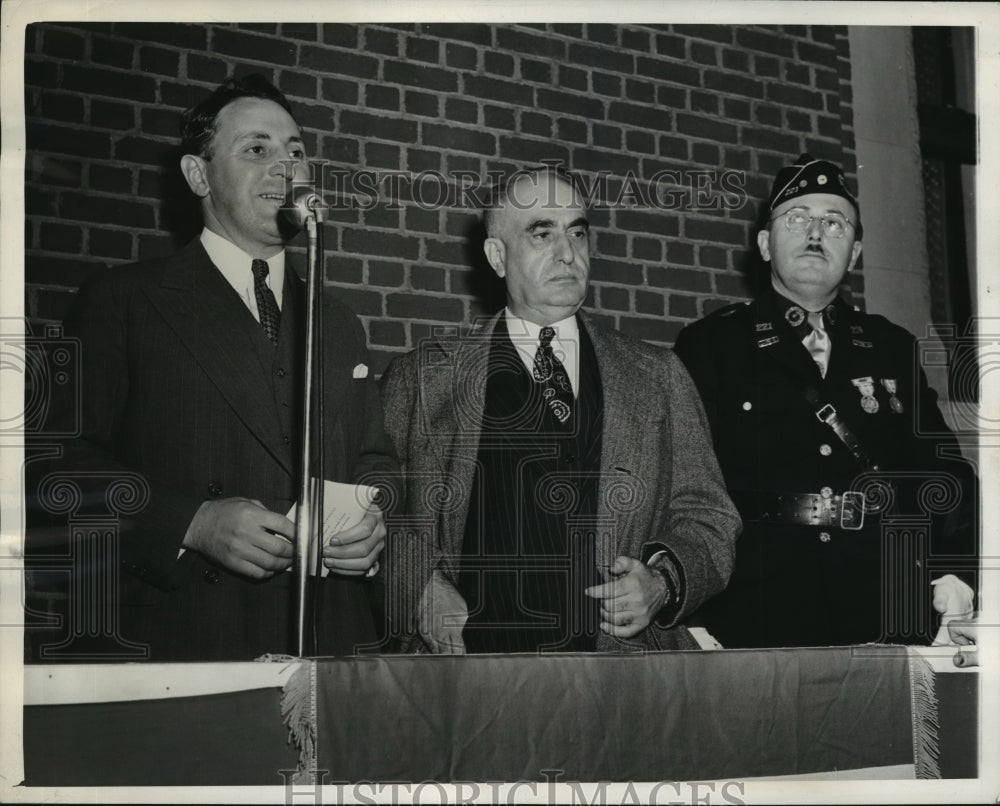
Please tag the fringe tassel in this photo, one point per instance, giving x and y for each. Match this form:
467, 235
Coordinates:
924, 710
298, 712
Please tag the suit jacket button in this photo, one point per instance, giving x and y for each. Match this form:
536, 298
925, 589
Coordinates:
212, 576
281, 372
214, 490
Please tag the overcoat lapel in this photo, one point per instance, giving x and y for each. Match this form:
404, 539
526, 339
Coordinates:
452, 383
206, 314
622, 459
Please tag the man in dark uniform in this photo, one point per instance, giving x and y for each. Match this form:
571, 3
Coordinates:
855, 500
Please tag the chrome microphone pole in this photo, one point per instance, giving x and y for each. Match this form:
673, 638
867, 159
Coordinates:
309, 520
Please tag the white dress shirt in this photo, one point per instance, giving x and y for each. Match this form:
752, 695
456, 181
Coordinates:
235, 264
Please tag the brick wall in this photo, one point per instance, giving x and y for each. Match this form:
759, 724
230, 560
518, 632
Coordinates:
682, 103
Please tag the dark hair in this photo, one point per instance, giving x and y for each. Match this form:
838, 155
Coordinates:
500, 192
199, 122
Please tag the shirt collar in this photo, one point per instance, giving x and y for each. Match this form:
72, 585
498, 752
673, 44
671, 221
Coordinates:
235, 264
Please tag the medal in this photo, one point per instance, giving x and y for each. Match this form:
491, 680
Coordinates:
866, 386
894, 402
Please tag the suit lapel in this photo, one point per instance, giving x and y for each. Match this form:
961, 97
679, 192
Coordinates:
211, 321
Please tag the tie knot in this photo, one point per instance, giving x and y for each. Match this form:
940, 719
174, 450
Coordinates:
546, 335
815, 319
259, 269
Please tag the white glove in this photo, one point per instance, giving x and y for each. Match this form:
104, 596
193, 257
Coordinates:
954, 600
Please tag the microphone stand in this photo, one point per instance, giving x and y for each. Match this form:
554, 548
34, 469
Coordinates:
309, 522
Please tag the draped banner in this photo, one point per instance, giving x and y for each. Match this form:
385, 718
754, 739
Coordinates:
653, 717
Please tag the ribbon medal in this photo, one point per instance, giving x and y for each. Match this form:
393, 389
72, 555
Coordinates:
866, 386
894, 402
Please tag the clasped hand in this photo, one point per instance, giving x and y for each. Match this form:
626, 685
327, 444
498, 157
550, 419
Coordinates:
244, 536
631, 599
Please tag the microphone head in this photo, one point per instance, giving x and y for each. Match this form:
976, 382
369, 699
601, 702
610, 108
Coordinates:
300, 205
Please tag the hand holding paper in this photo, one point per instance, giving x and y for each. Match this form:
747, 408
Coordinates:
353, 530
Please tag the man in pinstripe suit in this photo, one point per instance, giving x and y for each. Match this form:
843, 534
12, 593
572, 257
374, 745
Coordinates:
559, 475
191, 377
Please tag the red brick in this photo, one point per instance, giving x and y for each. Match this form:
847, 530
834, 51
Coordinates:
478, 34
421, 103
383, 273
569, 130
424, 306
417, 75
613, 298
428, 278
342, 35
423, 49
460, 56
361, 301
715, 231
680, 253
386, 244
60, 237
109, 178
668, 71
496, 89
540, 72
206, 68
381, 41
459, 139
366, 125
453, 252
421, 220
338, 62
570, 104
68, 140
816, 54
640, 142
764, 41
61, 107
39, 73
672, 46
387, 334
649, 302
648, 223
257, 48
683, 306
615, 271
62, 44
606, 136
604, 58
115, 84
159, 60
733, 84
184, 36
165, 122
341, 269
461, 111
381, 216
794, 96
646, 117
683, 279
731, 285
518, 40
498, 63
113, 52
418, 160
573, 78
110, 243
635, 40
649, 249
300, 30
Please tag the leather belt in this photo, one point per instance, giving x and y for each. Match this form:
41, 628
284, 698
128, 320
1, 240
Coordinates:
844, 510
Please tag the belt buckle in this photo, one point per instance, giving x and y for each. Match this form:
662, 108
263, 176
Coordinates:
826, 413
852, 510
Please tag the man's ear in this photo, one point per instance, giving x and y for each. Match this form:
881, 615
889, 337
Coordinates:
855, 254
764, 244
195, 174
496, 254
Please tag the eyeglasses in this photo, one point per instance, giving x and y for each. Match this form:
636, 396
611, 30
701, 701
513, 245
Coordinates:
797, 220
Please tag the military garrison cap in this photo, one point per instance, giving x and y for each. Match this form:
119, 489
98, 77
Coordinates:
810, 175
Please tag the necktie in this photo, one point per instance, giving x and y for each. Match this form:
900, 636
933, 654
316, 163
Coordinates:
818, 342
549, 371
267, 306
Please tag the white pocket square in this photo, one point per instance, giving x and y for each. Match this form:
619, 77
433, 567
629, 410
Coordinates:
361, 371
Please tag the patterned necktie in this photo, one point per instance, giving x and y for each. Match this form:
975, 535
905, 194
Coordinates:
818, 342
267, 306
549, 371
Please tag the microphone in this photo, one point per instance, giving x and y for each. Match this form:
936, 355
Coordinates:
301, 204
